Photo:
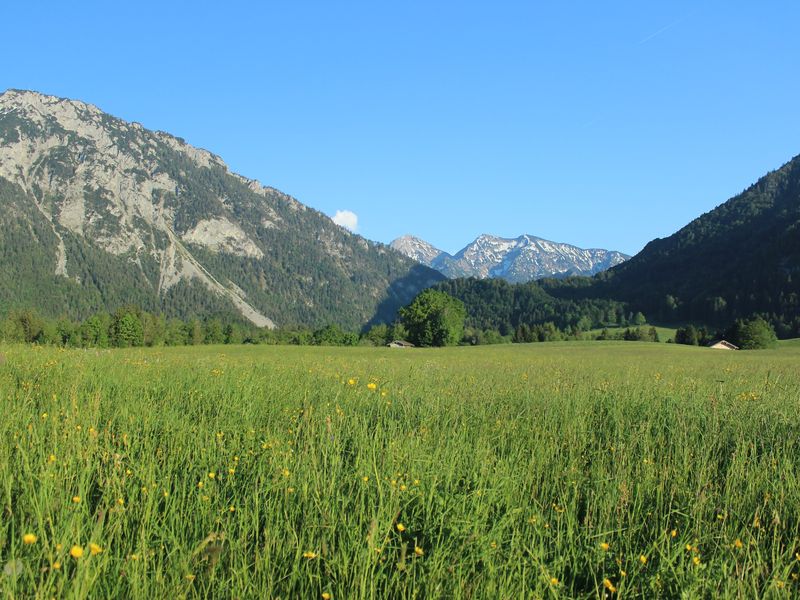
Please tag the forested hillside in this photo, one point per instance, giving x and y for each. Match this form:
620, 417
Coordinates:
499, 305
741, 258
96, 213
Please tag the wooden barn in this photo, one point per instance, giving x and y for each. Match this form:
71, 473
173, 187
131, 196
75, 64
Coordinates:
400, 344
723, 345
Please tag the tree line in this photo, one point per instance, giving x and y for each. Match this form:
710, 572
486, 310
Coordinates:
434, 318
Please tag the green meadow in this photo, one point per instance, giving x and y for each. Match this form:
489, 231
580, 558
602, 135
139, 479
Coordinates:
554, 470
664, 333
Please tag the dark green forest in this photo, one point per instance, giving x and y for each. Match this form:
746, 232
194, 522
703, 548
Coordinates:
740, 259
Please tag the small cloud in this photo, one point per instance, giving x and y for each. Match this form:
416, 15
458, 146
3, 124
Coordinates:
347, 219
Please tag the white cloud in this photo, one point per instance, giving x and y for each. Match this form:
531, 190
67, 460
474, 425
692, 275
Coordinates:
347, 219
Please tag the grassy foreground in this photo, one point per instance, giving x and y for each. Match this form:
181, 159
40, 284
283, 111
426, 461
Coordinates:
550, 470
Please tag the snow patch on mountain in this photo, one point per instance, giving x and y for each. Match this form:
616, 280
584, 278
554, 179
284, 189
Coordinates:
417, 249
517, 260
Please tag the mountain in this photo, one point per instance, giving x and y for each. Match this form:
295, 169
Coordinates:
740, 259
516, 260
418, 250
96, 212
743, 257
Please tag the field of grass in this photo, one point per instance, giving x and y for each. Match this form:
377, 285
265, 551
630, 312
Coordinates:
560, 470
664, 333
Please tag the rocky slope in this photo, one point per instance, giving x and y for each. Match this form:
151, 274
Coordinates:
96, 212
516, 260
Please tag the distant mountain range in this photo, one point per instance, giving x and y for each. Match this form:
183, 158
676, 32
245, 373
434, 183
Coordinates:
518, 260
96, 213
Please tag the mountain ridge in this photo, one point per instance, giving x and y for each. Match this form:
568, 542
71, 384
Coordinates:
740, 258
517, 260
108, 212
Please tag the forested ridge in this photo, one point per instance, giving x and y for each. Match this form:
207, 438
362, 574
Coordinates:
738, 260
97, 213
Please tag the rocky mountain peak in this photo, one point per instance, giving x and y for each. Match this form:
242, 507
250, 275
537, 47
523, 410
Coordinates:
520, 259
172, 217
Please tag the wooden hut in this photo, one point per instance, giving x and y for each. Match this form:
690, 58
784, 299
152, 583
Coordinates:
400, 344
723, 345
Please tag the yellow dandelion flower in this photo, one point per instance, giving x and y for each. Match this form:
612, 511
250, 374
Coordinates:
688, 547
56, 565
326, 596
286, 473
310, 555
401, 528
189, 577
365, 479
232, 509
605, 547
351, 382
609, 586
673, 533
121, 501
94, 549
51, 459
738, 544
372, 386
212, 475
290, 490
643, 559
76, 499
29, 538
76, 552
554, 581
418, 551
696, 560
623, 573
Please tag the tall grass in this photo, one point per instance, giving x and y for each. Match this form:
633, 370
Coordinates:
552, 470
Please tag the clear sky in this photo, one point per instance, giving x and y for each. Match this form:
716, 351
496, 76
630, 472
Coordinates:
603, 124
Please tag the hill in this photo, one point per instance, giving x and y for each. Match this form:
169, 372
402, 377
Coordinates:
740, 259
743, 257
96, 212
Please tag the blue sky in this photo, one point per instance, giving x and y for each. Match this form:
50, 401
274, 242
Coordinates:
603, 124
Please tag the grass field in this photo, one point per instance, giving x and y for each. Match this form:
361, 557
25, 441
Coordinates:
664, 333
545, 471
